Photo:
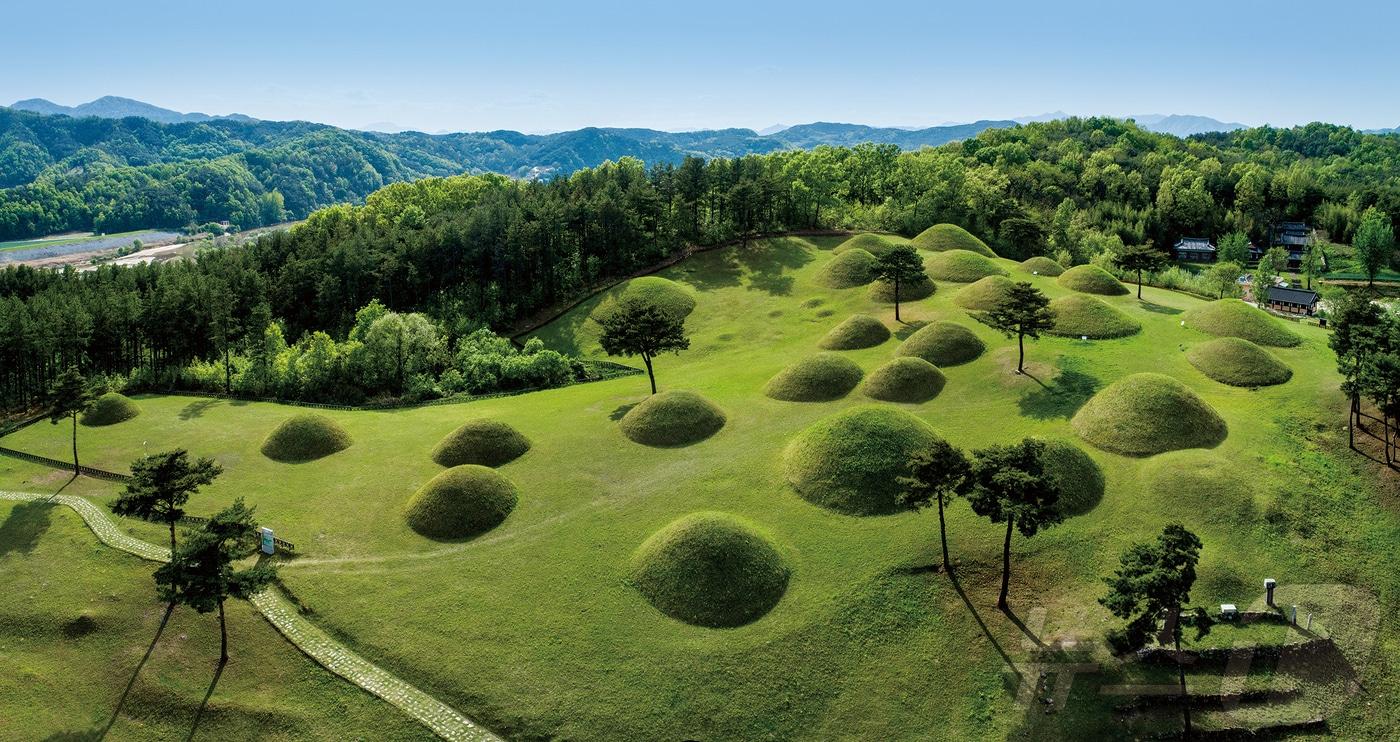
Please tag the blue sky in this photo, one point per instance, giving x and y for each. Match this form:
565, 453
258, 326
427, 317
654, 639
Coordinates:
544, 66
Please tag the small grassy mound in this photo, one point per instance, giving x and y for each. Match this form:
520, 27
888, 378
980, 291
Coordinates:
462, 502
905, 379
984, 295
481, 441
875, 244
1042, 266
1091, 279
1202, 486
110, 409
945, 237
710, 569
818, 378
849, 462
858, 331
1078, 478
1234, 318
672, 418
305, 437
673, 298
961, 266
1238, 362
847, 270
943, 344
1144, 414
883, 291
1085, 316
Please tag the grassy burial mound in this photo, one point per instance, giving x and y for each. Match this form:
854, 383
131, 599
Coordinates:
110, 409
710, 569
1238, 362
883, 291
1042, 266
905, 379
818, 378
1085, 316
1145, 414
848, 270
1201, 485
984, 295
673, 298
305, 437
960, 266
943, 344
462, 502
858, 331
945, 237
875, 244
1234, 318
850, 462
1078, 478
1091, 279
481, 441
672, 418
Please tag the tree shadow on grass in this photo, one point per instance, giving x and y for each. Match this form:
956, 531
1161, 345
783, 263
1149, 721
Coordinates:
1060, 398
24, 527
169, 608
766, 262
1157, 308
622, 411
197, 408
205, 703
722, 270
958, 588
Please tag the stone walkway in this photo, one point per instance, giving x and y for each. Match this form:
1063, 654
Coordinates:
336, 657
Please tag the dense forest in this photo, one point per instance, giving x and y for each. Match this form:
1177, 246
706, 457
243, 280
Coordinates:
483, 251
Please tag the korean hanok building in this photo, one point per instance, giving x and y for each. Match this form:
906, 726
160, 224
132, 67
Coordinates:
1194, 250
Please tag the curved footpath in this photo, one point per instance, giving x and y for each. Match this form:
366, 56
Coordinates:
274, 606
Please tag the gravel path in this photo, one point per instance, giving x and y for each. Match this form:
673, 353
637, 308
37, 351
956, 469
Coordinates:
336, 657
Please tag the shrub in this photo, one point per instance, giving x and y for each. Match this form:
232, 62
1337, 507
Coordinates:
1238, 362
984, 295
709, 569
1234, 318
945, 237
672, 418
1042, 266
961, 266
1091, 279
481, 441
305, 437
850, 462
1085, 316
943, 344
110, 409
858, 331
460, 503
905, 379
1144, 414
847, 270
817, 378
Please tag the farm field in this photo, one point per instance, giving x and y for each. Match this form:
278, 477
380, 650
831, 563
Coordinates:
533, 628
58, 245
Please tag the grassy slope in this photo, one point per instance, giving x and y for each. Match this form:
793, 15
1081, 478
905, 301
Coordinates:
532, 627
58, 679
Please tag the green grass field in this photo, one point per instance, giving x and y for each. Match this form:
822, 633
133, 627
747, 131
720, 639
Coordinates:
533, 627
62, 240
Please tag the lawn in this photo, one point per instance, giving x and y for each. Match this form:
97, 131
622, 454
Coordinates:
533, 628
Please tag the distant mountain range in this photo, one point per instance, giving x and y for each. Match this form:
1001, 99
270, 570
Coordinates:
114, 107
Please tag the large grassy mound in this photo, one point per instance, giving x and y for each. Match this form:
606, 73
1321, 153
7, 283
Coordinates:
1234, 318
1085, 316
305, 437
945, 237
849, 269
858, 331
849, 462
710, 569
1091, 279
961, 266
673, 298
1203, 486
875, 244
1042, 266
817, 378
481, 441
1148, 413
943, 344
905, 379
1238, 362
1078, 478
110, 409
985, 294
883, 291
672, 418
462, 502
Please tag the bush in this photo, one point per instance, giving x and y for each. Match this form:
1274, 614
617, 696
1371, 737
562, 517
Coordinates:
850, 462
818, 378
984, 295
1091, 279
709, 569
672, 418
905, 379
1085, 316
305, 437
945, 237
848, 270
1238, 362
482, 441
961, 266
1042, 266
1234, 318
875, 244
110, 409
858, 331
1145, 414
460, 503
943, 344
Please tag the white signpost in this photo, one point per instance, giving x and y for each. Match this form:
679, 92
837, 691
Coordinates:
268, 546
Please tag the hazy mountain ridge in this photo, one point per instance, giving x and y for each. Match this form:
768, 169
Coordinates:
116, 107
